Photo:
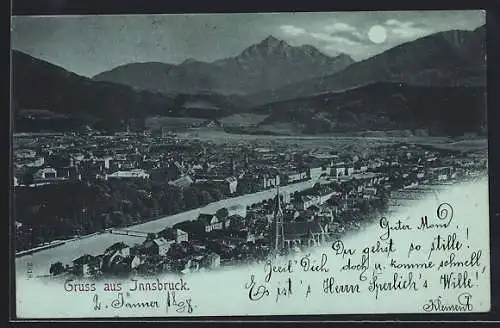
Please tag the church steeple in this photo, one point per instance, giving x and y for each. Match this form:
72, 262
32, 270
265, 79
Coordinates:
278, 221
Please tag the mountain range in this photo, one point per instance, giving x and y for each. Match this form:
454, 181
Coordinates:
45, 95
450, 58
432, 81
270, 64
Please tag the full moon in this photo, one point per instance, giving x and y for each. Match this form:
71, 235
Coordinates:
377, 34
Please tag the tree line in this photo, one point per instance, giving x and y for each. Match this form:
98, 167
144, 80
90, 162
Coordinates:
60, 211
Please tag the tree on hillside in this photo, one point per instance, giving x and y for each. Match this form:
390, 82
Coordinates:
365, 207
204, 197
26, 179
216, 194
56, 268
191, 198
243, 187
173, 201
222, 213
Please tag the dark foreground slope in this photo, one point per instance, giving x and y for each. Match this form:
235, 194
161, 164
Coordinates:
46, 96
385, 106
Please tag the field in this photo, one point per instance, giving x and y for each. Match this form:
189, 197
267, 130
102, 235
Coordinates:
243, 119
286, 135
337, 143
172, 123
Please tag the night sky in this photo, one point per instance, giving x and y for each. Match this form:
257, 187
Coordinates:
88, 45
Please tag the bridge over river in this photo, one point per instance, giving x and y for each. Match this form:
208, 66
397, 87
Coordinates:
96, 244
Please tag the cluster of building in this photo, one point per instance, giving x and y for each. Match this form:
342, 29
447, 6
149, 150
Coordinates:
347, 186
286, 222
56, 158
169, 250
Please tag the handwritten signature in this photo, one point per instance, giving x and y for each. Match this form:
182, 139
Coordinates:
438, 304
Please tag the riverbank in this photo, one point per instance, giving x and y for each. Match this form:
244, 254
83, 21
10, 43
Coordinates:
161, 222
470, 202
39, 261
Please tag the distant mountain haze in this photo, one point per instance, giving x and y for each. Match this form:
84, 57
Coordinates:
267, 65
451, 58
45, 91
435, 83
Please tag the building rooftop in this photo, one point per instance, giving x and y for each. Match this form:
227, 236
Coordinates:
84, 259
130, 173
205, 218
297, 229
116, 247
182, 182
161, 241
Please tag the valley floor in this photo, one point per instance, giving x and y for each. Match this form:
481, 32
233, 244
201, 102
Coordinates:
473, 143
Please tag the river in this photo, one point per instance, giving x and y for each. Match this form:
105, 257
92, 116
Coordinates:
223, 292
96, 244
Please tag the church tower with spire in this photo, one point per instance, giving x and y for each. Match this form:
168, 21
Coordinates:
279, 238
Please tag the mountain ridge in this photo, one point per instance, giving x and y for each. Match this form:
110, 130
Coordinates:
42, 87
454, 57
268, 64
441, 72
383, 106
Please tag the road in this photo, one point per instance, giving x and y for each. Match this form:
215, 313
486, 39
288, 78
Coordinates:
470, 203
96, 244
246, 200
